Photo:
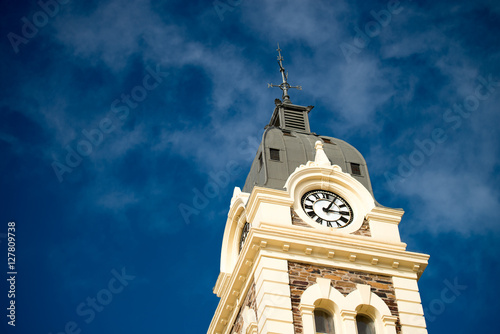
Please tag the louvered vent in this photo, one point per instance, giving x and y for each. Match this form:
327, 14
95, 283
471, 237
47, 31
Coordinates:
295, 120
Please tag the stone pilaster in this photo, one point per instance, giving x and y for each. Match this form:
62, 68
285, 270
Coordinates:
410, 308
274, 307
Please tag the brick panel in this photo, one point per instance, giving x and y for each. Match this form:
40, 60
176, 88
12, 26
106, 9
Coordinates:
303, 275
364, 230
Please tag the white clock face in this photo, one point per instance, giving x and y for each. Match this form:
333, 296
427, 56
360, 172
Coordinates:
327, 208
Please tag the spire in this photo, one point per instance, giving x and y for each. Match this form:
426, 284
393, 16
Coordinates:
284, 86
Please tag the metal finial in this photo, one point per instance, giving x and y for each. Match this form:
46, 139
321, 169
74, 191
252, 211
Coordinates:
284, 86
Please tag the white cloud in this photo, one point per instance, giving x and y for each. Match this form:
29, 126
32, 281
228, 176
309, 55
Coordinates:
453, 189
313, 24
240, 105
111, 34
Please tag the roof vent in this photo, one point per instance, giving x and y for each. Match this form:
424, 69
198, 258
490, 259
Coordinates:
355, 170
295, 120
291, 117
274, 154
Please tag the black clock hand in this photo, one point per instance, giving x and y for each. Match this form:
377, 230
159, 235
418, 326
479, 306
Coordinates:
329, 206
335, 211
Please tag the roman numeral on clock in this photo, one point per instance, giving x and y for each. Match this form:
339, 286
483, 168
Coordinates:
343, 219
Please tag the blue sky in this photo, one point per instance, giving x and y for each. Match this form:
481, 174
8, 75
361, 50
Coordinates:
113, 114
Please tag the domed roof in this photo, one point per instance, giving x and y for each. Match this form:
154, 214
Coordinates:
286, 146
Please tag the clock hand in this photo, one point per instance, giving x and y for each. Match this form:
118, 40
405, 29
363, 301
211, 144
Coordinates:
326, 210
338, 212
330, 206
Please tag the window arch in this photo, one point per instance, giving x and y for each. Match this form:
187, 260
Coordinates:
365, 324
323, 322
346, 309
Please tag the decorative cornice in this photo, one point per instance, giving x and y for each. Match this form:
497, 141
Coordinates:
387, 215
322, 237
266, 195
370, 255
221, 282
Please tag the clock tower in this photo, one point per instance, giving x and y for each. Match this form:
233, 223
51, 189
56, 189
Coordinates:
307, 248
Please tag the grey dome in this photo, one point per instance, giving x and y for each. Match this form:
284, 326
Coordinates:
283, 150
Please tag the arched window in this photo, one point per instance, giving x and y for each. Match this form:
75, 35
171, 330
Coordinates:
365, 324
324, 322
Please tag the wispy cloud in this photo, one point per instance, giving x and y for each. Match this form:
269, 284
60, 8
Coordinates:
121, 204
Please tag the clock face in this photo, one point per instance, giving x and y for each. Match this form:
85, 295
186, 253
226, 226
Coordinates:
327, 208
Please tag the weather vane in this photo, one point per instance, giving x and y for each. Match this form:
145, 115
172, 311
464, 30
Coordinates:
284, 86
